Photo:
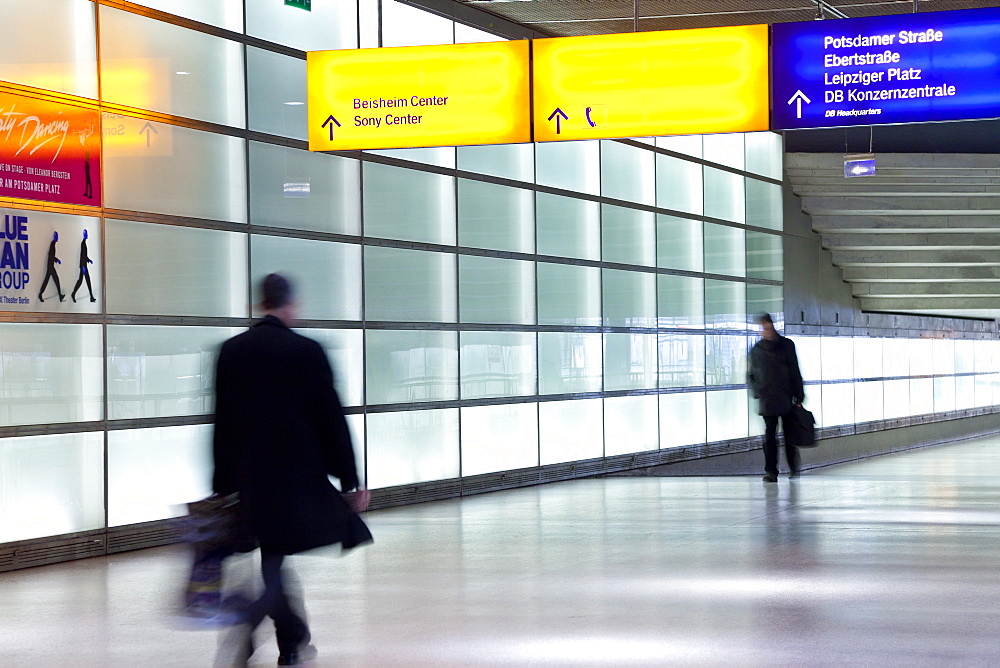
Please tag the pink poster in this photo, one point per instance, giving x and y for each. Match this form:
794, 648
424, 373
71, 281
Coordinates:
49, 151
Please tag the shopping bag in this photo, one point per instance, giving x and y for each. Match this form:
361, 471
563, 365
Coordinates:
800, 428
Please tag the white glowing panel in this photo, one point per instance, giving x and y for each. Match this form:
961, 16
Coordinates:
570, 430
807, 349
499, 438
837, 357
867, 358
868, 401
838, 404
412, 446
896, 400
152, 473
921, 396
921, 357
895, 357
727, 415
944, 356
51, 485
944, 394
682, 419
630, 424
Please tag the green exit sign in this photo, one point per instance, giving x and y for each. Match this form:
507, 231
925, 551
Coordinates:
301, 4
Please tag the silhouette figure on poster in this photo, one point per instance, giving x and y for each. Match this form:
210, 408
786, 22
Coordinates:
88, 188
84, 274
50, 271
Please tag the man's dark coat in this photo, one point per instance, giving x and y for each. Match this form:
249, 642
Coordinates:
279, 430
774, 376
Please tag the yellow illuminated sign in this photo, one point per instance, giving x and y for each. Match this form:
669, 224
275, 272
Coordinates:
447, 95
702, 81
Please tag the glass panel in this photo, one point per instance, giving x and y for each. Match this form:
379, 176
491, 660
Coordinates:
508, 161
807, 349
356, 425
181, 172
724, 149
410, 205
896, 399
724, 196
409, 285
727, 415
965, 392
764, 256
814, 402
756, 424
276, 88
764, 153
631, 424
867, 358
465, 34
52, 485
345, 349
573, 165
570, 430
921, 396
629, 299
498, 364
50, 45
403, 25
329, 25
678, 185
303, 190
496, 217
327, 275
895, 357
983, 390
568, 295
726, 360
765, 299
682, 360
629, 362
50, 373
679, 243
628, 173
412, 446
569, 362
725, 250
226, 14
568, 227
764, 205
868, 401
496, 290
154, 65
680, 302
682, 419
152, 473
838, 404
944, 356
441, 156
156, 371
169, 270
628, 236
921, 357
499, 438
407, 366
837, 358
944, 394
686, 144
368, 23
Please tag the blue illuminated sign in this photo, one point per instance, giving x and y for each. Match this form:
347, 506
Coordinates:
907, 68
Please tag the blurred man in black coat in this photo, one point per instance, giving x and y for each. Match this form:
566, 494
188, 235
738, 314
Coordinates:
279, 432
775, 380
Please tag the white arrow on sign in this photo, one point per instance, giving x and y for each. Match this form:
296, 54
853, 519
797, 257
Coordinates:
798, 99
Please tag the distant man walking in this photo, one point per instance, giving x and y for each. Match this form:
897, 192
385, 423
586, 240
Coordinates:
776, 382
279, 432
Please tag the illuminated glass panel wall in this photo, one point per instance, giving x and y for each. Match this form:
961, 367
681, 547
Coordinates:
485, 308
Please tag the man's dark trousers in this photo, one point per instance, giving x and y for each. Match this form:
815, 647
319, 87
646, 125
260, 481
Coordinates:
771, 446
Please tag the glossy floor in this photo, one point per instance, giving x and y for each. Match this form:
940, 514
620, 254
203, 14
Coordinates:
890, 561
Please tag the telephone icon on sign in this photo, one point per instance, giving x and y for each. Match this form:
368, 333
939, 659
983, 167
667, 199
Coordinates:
592, 123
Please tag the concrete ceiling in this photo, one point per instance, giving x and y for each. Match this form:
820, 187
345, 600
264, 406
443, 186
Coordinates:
561, 18
921, 236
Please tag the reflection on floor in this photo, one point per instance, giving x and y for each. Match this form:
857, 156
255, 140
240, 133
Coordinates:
889, 561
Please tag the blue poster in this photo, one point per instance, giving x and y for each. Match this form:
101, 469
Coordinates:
905, 68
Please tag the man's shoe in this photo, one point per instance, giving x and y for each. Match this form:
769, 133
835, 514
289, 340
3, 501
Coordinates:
302, 655
770, 477
794, 475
